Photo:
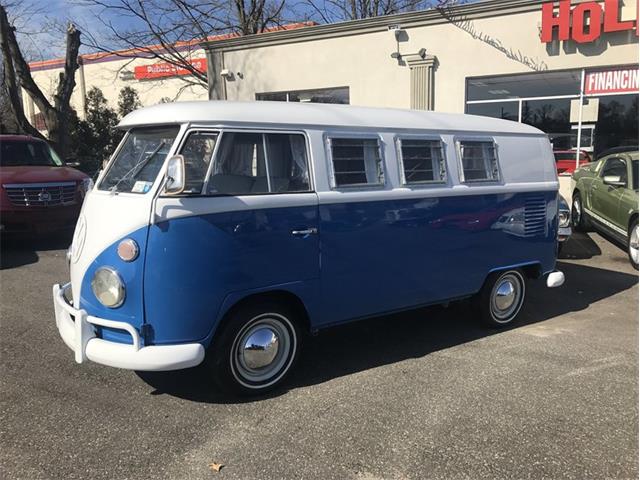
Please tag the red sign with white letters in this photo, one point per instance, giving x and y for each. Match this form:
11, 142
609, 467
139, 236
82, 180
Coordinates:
585, 23
163, 70
611, 81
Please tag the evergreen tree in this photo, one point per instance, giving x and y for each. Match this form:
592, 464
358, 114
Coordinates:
128, 101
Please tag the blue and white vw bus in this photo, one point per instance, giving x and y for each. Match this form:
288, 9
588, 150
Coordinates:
222, 232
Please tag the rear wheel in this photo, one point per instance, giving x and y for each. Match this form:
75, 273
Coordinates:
633, 244
578, 219
501, 297
256, 349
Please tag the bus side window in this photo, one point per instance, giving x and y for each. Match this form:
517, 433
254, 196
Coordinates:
356, 162
422, 161
253, 163
197, 152
479, 161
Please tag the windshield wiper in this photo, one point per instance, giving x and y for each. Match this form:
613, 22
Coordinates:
138, 167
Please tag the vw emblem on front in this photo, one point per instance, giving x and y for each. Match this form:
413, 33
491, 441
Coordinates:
44, 196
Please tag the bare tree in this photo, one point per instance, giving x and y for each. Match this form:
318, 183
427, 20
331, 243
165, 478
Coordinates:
329, 11
17, 75
171, 30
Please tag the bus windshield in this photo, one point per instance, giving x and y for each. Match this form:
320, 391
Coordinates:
138, 162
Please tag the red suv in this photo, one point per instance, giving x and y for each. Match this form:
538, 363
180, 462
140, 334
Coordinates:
38, 192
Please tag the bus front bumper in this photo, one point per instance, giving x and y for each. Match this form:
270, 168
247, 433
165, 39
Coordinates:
77, 330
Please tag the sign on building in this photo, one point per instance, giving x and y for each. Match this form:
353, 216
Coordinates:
584, 23
611, 81
163, 70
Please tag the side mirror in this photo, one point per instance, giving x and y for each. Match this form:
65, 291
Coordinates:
175, 176
614, 181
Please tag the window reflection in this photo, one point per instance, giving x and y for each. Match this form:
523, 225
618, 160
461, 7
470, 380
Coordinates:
550, 116
504, 110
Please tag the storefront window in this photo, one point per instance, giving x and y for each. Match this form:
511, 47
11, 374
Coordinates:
550, 116
504, 110
338, 95
617, 122
549, 101
521, 86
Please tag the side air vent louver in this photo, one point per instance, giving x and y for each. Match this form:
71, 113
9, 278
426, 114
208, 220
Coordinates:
535, 216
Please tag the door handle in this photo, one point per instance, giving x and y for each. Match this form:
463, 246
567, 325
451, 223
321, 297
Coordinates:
305, 232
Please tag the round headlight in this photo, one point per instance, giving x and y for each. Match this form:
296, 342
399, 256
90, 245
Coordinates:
128, 250
108, 287
564, 218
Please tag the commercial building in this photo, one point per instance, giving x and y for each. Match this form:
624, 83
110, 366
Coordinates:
568, 67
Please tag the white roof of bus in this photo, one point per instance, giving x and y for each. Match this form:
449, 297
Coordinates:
287, 114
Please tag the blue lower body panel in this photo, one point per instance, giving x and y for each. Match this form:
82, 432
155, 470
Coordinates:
383, 256
195, 263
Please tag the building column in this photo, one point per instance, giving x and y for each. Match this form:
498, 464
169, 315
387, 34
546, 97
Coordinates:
215, 64
422, 82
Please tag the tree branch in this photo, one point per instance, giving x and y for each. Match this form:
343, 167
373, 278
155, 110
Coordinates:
10, 44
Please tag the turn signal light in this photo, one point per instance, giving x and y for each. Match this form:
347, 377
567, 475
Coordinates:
128, 250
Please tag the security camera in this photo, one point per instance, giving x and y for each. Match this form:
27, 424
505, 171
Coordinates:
397, 31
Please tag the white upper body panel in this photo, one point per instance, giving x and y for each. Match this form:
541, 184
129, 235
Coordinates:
289, 114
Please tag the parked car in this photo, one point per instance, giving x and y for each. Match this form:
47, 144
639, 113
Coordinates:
566, 160
623, 149
605, 197
564, 222
220, 231
38, 192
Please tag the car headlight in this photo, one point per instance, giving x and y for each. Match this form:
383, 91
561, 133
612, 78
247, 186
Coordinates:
85, 186
564, 218
108, 287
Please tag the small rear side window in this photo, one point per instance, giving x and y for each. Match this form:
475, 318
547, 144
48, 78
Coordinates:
422, 161
479, 161
356, 162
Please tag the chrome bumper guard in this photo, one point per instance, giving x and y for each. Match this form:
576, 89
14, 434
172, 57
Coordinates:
555, 279
564, 233
76, 330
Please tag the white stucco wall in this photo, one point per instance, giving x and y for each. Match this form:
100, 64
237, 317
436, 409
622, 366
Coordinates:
105, 75
363, 62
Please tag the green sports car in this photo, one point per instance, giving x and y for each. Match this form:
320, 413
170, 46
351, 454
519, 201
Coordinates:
605, 197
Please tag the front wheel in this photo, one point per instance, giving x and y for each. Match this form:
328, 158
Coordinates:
256, 349
578, 220
633, 244
501, 297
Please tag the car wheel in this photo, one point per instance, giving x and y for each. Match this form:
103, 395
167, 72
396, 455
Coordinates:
578, 220
633, 244
256, 349
501, 298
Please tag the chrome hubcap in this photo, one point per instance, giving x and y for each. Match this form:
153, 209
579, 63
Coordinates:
576, 212
263, 350
634, 244
260, 349
506, 297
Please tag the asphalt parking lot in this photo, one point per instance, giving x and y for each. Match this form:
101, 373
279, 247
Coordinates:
422, 394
